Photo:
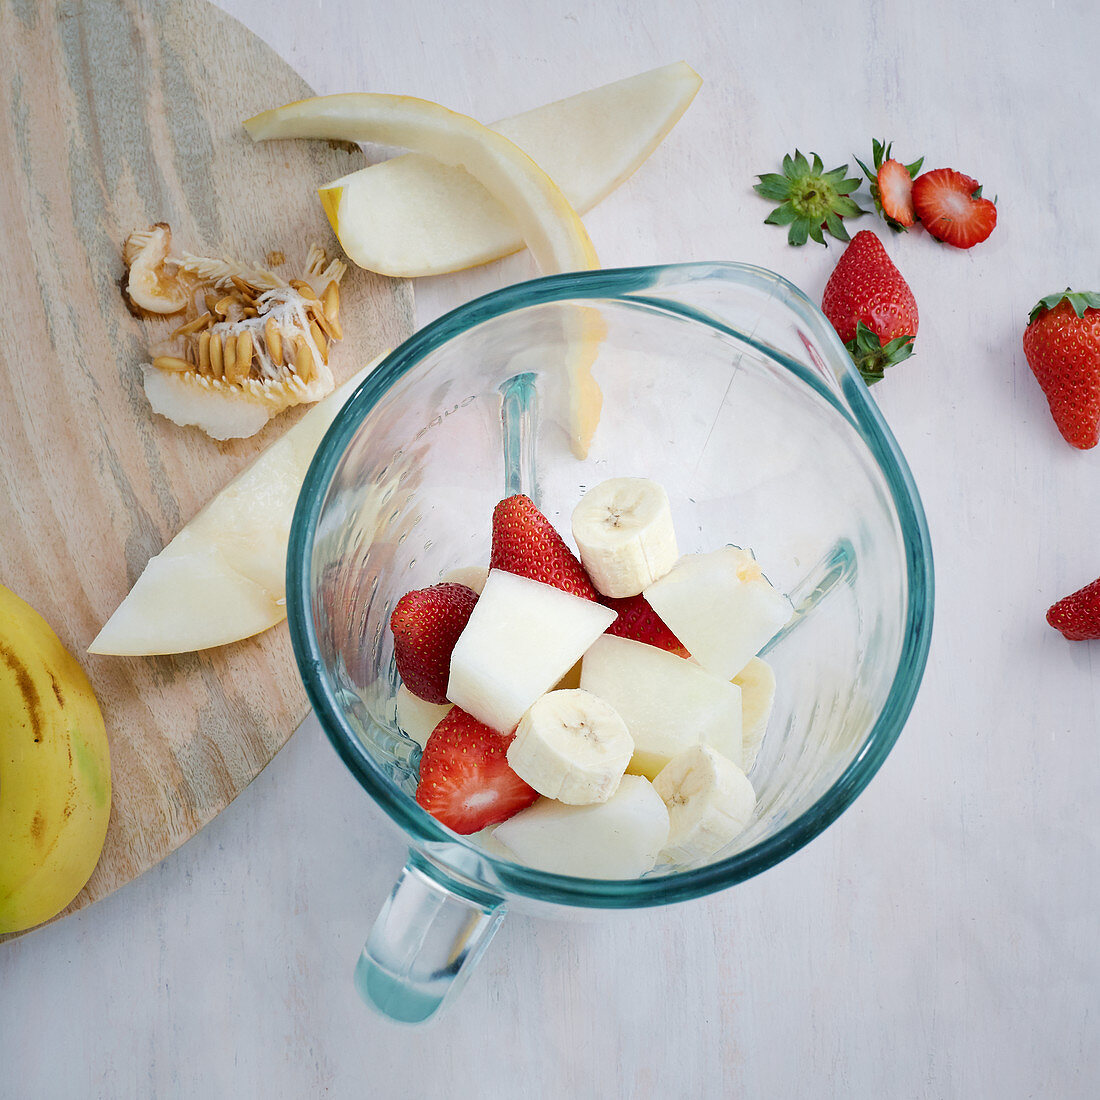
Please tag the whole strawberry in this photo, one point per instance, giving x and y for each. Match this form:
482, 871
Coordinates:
1062, 346
1077, 616
426, 624
525, 543
871, 307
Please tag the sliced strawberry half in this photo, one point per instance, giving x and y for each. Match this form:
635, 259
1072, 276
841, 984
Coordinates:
426, 624
465, 780
525, 543
950, 206
892, 186
640, 623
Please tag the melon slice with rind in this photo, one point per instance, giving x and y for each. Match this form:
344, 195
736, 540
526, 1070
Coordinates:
550, 226
222, 578
415, 216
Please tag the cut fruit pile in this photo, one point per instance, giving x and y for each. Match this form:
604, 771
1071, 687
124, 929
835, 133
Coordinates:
598, 710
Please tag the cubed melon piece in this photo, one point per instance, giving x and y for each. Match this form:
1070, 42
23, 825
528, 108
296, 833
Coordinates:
521, 639
617, 839
721, 607
668, 703
757, 683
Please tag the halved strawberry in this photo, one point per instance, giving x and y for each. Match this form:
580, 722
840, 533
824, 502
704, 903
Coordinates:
640, 623
465, 780
951, 207
525, 543
892, 186
426, 624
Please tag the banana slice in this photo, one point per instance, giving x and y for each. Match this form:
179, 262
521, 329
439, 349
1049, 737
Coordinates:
709, 799
623, 530
572, 746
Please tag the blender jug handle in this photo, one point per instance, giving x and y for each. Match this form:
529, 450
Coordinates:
427, 938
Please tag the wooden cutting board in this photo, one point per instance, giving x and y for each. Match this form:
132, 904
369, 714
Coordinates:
117, 114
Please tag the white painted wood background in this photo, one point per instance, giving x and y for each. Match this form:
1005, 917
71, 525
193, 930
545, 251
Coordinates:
941, 939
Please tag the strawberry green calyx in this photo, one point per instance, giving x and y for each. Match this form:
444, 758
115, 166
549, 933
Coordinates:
813, 201
1080, 300
880, 153
871, 356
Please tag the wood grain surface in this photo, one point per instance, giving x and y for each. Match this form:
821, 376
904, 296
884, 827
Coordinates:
118, 115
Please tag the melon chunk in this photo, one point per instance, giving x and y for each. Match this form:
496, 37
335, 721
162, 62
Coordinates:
668, 703
521, 639
617, 839
757, 683
417, 717
721, 607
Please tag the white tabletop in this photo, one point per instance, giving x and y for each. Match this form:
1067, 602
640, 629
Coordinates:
941, 939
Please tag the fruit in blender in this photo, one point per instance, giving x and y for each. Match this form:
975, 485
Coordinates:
709, 799
757, 683
589, 696
721, 606
521, 639
526, 543
617, 839
667, 703
425, 624
465, 780
573, 746
636, 619
624, 534
416, 717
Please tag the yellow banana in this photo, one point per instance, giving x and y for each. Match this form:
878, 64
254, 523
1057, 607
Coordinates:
55, 771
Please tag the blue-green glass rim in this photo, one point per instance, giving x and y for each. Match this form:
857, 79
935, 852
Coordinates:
858, 407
